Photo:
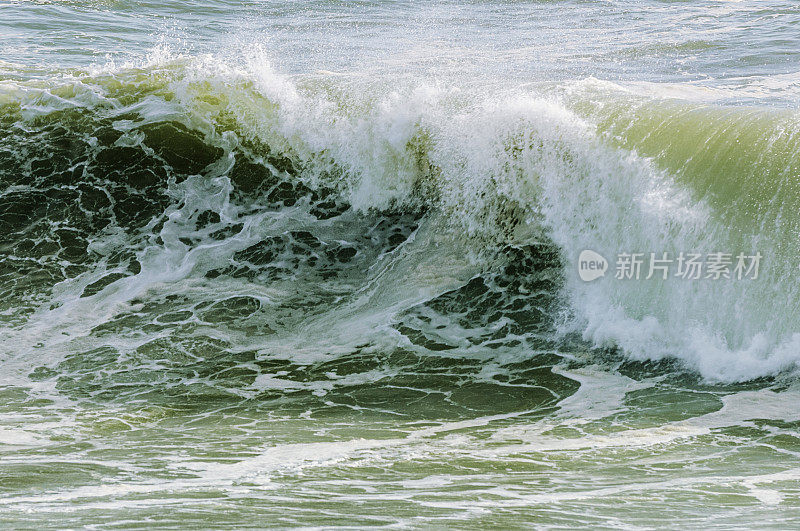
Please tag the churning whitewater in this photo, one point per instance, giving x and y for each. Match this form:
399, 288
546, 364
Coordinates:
244, 283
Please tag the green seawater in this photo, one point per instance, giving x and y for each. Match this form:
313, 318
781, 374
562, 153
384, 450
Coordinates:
315, 264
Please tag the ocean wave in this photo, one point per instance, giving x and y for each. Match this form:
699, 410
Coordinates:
128, 177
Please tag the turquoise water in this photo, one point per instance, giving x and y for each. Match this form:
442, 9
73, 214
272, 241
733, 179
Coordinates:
316, 264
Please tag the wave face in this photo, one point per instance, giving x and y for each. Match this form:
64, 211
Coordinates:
280, 285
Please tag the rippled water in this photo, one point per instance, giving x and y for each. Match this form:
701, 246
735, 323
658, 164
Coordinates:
315, 264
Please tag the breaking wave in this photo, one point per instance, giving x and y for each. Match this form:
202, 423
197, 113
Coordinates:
329, 202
